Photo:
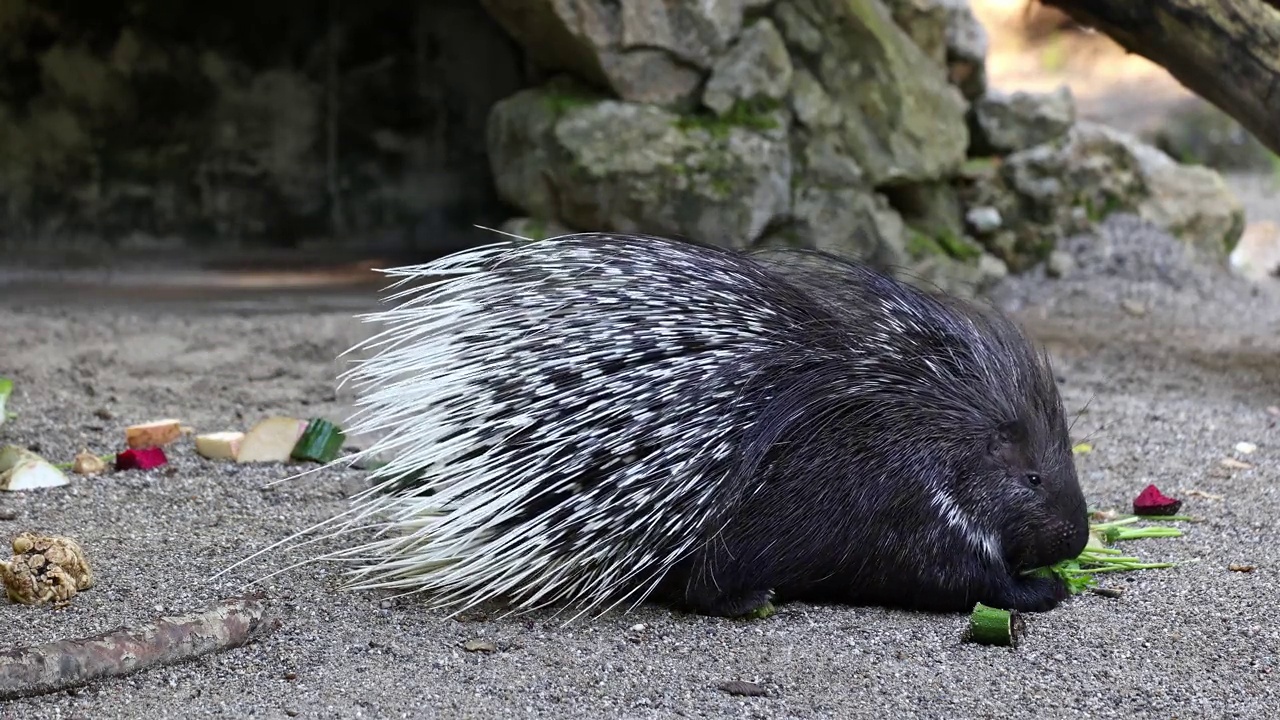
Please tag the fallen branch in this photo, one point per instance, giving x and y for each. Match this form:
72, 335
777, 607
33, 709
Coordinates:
1225, 51
63, 664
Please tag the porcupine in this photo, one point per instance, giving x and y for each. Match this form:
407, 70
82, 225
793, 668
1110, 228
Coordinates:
601, 418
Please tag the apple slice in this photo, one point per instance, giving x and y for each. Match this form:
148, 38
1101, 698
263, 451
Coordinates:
271, 440
220, 445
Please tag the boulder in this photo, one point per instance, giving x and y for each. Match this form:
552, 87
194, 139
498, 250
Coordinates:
1093, 171
653, 52
1002, 123
900, 118
1200, 133
606, 164
850, 222
949, 34
967, 45
755, 71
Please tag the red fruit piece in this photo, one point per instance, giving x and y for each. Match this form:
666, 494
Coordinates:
1153, 502
140, 458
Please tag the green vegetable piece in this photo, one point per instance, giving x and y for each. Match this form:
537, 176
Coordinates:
6, 389
320, 442
993, 626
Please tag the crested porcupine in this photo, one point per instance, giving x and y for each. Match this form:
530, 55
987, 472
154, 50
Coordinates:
601, 418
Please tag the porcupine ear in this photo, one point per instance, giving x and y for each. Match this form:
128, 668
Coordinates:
1007, 439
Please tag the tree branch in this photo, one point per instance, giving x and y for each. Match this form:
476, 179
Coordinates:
63, 664
1225, 51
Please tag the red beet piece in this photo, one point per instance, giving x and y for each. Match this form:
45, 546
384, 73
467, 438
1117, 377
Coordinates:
1153, 502
140, 458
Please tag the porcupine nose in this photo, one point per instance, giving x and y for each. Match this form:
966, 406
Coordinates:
1077, 537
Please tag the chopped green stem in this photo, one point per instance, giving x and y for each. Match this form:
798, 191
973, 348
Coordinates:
109, 457
1079, 572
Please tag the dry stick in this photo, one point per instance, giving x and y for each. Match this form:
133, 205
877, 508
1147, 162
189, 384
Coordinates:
166, 640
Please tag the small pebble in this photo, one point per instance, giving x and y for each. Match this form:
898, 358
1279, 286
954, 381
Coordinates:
1060, 264
1245, 448
984, 219
1134, 307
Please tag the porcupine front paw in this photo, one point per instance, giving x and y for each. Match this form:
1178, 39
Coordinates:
1036, 593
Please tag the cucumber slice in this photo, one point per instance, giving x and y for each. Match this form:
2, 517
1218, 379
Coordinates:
320, 442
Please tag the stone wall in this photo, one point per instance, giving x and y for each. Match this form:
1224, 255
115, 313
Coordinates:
259, 122
860, 127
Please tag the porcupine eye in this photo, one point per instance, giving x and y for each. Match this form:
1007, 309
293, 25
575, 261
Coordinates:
1033, 479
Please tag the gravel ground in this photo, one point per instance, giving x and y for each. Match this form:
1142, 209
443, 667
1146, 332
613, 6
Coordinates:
1168, 364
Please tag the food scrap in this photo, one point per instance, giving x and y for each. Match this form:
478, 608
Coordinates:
320, 442
271, 440
156, 433
21, 469
219, 445
994, 626
6, 389
45, 568
140, 458
1237, 567
1153, 502
86, 463
1079, 572
281, 439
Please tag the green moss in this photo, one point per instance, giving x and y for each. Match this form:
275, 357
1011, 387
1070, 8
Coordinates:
978, 166
920, 246
958, 247
750, 115
1097, 211
560, 103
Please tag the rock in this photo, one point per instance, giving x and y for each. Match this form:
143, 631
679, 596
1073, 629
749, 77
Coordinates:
655, 52
900, 118
967, 44
949, 34
1059, 264
983, 219
606, 164
823, 159
850, 222
1001, 124
925, 22
1199, 133
932, 208
1067, 185
961, 278
1192, 202
755, 70
812, 106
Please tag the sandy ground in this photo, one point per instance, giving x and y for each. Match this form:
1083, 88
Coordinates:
1170, 367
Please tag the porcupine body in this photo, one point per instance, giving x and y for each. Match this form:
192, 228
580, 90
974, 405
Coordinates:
598, 418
